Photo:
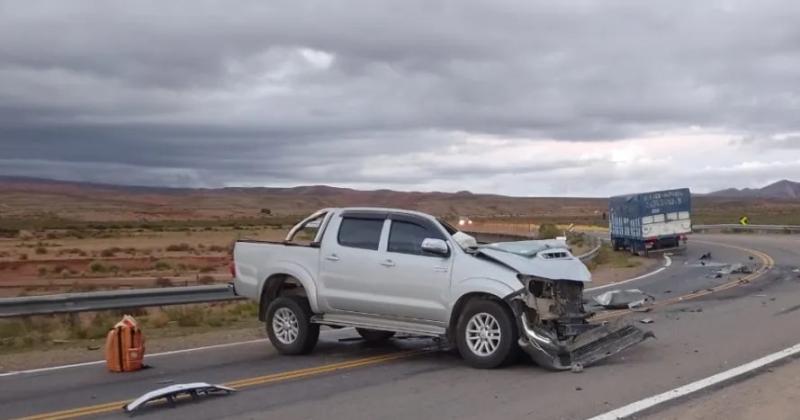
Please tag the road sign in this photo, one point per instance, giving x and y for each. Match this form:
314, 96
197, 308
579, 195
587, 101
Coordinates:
744, 221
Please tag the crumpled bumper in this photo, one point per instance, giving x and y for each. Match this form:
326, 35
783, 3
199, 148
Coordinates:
597, 343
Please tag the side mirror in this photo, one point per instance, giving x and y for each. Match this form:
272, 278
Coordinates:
435, 246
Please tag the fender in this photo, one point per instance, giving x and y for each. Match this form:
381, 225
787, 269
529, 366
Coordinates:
486, 285
295, 270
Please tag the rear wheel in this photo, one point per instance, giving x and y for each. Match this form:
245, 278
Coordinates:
289, 325
487, 335
374, 336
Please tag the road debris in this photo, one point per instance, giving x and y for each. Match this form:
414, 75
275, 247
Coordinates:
577, 368
692, 310
623, 299
737, 268
647, 321
173, 392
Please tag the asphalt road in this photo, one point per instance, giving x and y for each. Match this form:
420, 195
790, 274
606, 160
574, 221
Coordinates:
344, 378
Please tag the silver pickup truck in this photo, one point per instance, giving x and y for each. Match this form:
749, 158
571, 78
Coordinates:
387, 271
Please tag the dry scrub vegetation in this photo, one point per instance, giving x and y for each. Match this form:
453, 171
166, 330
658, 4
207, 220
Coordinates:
86, 259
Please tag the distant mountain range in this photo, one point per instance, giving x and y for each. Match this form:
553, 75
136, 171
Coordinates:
50, 201
784, 190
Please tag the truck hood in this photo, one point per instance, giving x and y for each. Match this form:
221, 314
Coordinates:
546, 259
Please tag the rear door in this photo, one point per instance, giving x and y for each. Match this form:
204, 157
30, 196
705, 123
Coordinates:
350, 261
413, 283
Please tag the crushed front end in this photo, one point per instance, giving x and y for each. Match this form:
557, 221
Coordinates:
554, 327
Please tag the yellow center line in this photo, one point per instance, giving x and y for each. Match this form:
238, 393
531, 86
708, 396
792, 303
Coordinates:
241, 383
767, 263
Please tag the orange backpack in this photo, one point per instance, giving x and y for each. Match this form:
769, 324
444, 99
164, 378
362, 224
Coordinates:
125, 346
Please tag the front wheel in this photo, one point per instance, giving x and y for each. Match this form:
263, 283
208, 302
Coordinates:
487, 335
289, 325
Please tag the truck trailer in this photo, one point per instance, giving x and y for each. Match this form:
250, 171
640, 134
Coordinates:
646, 222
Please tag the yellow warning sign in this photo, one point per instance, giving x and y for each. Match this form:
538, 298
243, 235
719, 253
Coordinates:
744, 221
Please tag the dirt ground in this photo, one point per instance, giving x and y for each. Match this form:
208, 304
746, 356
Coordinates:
56, 261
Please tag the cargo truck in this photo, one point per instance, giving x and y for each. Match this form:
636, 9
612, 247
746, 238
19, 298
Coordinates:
646, 222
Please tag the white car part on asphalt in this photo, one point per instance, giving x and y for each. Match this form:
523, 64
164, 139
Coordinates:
169, 393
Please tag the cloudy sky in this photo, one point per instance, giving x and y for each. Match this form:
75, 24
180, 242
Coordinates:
517, 97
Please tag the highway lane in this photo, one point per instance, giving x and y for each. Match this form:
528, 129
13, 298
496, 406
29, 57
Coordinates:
436, 384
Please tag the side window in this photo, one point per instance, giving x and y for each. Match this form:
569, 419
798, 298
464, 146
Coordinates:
360, 233
406, 237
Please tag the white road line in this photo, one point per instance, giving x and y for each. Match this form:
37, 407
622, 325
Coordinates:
148, 356
100, 362
693, 387
667, 263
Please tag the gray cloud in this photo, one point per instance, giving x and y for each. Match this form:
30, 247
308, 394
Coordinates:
220, 93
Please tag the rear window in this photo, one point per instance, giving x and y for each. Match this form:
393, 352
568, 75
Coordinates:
360, 233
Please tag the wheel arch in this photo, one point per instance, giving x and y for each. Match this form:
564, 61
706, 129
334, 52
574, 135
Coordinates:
285, 283
462, 302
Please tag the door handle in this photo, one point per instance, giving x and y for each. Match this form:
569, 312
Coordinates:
332, 257
387, 263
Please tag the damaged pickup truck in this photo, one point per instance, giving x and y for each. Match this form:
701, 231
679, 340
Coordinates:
387, 271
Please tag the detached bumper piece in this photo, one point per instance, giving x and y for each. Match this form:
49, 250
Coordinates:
171, 394
592, 346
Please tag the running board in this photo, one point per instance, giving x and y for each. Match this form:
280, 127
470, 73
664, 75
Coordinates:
372, 323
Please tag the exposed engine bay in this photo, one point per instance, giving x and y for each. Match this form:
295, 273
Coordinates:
553, 323
554, 327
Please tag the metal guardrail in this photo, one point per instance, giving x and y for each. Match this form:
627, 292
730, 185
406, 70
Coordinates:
116, 299
751, 228
124, 299
594, 251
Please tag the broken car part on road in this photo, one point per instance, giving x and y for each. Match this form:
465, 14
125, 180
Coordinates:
624, 299
552, 320
173, 392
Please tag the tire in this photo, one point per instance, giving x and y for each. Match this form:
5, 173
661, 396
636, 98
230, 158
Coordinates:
289, 326
477, 348
374, 336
